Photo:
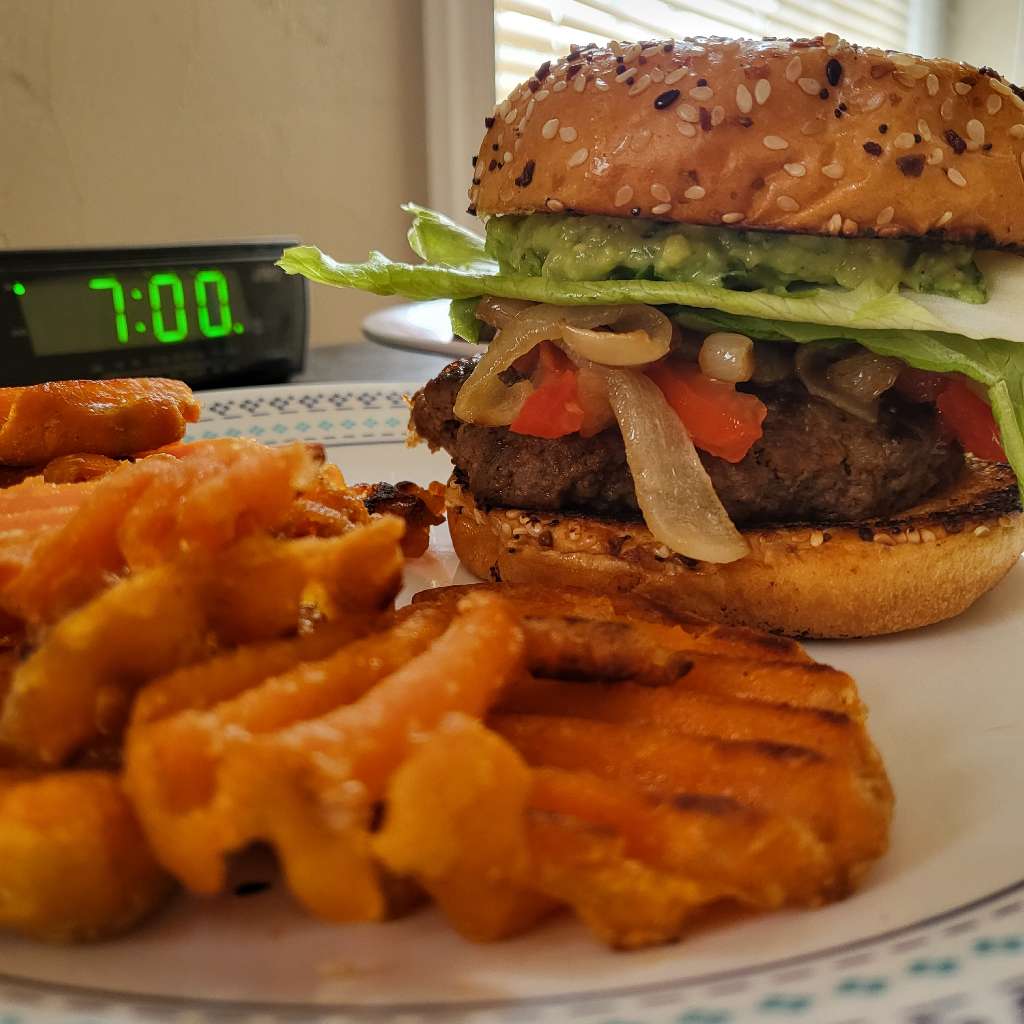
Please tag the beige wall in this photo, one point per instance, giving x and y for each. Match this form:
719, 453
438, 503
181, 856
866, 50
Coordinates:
141, 121
987, 32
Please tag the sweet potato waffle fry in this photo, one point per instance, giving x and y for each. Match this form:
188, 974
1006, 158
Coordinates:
670, 767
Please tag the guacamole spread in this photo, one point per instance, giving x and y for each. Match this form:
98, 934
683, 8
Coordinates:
572, 248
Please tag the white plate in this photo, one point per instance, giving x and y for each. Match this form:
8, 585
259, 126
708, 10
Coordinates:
936, 934
418, 326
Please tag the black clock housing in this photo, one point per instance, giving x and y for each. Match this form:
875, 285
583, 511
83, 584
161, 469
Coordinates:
212, 315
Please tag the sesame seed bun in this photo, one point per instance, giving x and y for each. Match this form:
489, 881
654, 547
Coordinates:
883, 576
814, 136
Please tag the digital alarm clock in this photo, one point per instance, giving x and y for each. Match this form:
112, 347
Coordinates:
210, 315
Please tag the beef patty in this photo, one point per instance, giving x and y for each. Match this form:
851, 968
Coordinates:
814, 463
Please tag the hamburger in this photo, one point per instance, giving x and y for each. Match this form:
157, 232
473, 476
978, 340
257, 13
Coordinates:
754, 333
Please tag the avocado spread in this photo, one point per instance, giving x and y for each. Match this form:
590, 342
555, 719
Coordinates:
574, 248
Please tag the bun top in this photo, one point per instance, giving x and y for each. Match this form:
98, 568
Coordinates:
815, 136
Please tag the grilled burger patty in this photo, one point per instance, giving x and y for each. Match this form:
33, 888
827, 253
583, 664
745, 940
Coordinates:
815, 463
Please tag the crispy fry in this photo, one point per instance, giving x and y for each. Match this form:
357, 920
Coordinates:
420, 507
145, 512
456, 821
326, 509
78, 684
848, 811
113, 417
272, 765
73, 862
77, 469
651, 623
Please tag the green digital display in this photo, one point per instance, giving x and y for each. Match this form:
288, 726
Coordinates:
67, 314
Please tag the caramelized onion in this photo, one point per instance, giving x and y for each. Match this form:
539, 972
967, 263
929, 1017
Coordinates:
852, 383
728, 357
484, 398
642, 335
673, 489
498, 312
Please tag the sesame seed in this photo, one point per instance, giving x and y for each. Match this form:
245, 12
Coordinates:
903, 141
911, 166
688, 112
883, 128
631, 52
623, 75
935, 157
833, 72
1000, 86
554, 205
834, 170
811, 86
885, 216
850, 227
717, 115
578, 157
817, 538
946, 110
901, 60
1017, 131
795, 170
1017, 101
567, 134
660, 192
931, 84
873, 148
507, 157
956, 177
651, 50
788, 203
673, 76
976, 131
924, 130
642, 83
732, 218
794, 69
701, 93
600, 84
623, 195
559, 87
661, 208
657, 75
775, 142
580, 84
875, 101
695, 192
762, 91
684, 128
666, 99
994, 103
830, 39
550, 129
835, 224
511, 116
916, 71
961, 88
744, 101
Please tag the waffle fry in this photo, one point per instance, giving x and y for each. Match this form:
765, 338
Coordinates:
77, 686
73, 862
112, 417
300, 760
741, 777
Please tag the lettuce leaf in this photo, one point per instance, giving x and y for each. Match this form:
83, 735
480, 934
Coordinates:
998, 365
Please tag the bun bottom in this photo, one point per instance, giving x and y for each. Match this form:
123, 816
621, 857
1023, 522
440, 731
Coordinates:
844, 581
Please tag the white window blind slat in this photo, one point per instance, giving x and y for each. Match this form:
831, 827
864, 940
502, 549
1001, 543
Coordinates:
529, 32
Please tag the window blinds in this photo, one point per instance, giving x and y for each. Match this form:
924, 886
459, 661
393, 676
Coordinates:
529, 32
